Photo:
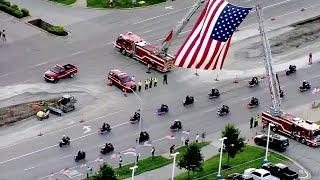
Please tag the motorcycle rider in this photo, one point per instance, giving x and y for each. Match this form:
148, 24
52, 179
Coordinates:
188, 100
305, 84
214, 92
80, 154
136, 116
105, 127
164, 108
253, 81
254, 101
292, 68
65, 139
224, 108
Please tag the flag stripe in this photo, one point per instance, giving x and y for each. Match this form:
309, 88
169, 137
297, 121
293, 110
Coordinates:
196, 26
203, 47
225, 52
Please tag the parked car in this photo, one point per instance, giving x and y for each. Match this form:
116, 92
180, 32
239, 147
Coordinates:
122, 80
57, 72
259, 174
281, 171
276, 142
238, 176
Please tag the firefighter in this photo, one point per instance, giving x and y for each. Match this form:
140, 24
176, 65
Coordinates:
150, 82
146, 85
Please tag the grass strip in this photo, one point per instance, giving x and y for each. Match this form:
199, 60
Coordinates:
250, 157
121, 3
66, 2
150, 163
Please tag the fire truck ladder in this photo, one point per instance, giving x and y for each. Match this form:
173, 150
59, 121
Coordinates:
275, 109
180, 26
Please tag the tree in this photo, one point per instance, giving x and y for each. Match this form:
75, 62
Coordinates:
234, 143
191, 159
106, 173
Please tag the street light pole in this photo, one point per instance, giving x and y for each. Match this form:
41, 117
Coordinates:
267, 147
133, 169
220, 161
174, 163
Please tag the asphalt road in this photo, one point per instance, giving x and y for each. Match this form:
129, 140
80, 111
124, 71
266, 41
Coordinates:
24, 61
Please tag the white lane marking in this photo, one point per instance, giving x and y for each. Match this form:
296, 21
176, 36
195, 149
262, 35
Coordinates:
210, 109
27, 169
158, 140
245, 98
276, 4
4, 75
146, 31
40, 64
49, 147
76, 53
109, 43
316, 76
168, 7
87, 129
155, 17
65, 156
70, 123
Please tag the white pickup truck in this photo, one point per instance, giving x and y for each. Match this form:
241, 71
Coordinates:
259, 174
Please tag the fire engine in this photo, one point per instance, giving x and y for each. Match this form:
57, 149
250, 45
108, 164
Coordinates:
297, 128
133, 46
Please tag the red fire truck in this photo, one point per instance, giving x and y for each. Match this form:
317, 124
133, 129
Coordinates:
301, 130
133, 46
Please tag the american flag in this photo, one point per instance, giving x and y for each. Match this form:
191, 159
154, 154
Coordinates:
207, 45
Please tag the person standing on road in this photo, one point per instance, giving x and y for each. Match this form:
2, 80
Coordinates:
251, 122
146, 84
150, 82
172, 149
138, 155
3, 34
256, 121
152, 152
165, 79
155, 81
133, 79
149, 68
203, 136
89, 171
120, 162
139, 86
197, 138
186, 142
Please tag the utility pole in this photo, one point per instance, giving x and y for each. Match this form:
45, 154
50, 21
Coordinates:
275, 109
180, 26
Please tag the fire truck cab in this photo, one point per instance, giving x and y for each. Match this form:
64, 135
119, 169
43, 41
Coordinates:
299, 129
134, 46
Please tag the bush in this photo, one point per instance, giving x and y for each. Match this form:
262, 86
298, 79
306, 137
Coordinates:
57, 30
14, 6
25, 12
13, 10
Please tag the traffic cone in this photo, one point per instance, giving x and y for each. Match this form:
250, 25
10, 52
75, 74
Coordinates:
81, 119
236, 80
216, 79
273, 18
125, 93
302, 9
40, 133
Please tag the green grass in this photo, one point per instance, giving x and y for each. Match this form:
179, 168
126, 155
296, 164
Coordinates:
144, 165
149, 164
251, 156
182, 149
120, 3
66, 2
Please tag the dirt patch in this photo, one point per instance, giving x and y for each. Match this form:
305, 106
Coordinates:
18, 112
303, 34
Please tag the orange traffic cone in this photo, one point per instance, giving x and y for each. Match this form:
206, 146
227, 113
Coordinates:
273, 18
236, 80
40, 133
302, 9
216, 79
81, 119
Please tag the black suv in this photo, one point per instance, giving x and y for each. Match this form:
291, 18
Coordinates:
276, 142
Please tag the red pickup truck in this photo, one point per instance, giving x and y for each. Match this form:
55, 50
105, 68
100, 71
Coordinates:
60, 72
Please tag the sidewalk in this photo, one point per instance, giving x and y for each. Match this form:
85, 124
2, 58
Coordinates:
164, 173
